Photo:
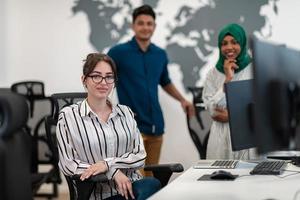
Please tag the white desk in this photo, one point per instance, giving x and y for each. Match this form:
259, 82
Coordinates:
248, 187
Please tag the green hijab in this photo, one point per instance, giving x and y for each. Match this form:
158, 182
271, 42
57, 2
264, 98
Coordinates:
239, 35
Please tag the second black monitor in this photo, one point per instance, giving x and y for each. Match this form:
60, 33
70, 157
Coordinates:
239, 95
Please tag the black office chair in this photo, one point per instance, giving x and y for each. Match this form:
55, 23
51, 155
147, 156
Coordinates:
32, 90
82, 190
39, 107
61, 100
15, 142
199, 125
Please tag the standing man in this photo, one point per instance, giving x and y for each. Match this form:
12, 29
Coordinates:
142, 66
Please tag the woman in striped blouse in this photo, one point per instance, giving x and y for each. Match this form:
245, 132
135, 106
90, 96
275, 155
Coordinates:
95, 136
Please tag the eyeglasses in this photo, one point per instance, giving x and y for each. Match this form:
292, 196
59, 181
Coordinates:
98, 79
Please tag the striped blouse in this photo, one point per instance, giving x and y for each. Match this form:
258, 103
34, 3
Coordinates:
83, 139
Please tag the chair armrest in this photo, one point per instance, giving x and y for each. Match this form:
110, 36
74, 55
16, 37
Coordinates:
172, 167
95, 178
163, 172
84, 188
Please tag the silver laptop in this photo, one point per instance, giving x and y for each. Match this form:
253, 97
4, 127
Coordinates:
216, 164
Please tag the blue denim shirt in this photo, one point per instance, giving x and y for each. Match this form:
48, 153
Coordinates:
139, 74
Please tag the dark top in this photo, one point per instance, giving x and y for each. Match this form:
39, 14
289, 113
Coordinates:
139, 74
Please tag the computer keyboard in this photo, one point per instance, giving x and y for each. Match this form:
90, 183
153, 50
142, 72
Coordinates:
269, 168
227, 164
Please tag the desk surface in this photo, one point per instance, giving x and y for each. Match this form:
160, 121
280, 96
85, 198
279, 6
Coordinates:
249, 187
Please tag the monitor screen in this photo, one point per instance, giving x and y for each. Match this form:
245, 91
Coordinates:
240, 110
276, 85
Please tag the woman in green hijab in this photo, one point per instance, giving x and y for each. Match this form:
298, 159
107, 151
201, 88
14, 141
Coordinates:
234, 64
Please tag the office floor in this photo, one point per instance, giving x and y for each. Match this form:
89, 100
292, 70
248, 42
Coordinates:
63, 194
47, 188
63, 191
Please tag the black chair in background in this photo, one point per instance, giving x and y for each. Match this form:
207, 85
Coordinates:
39, 106
15, 175
32, 90
199, 125
82, 190
61, 100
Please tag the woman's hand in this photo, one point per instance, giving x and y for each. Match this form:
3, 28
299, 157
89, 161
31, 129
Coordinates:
94, 169
124, 185
221, 115
229, 67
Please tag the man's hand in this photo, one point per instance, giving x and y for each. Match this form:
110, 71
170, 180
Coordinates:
188, 107
124, 185
94, 169
221, 115
229, 67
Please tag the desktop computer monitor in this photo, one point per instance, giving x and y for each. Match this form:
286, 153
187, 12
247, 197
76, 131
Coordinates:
276, 95
239, 96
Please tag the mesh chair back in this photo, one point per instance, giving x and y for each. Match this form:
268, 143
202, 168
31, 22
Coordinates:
62, 100
198, 134
50, 126
31, 90
199, 125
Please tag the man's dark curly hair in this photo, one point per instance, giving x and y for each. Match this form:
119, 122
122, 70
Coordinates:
143, 10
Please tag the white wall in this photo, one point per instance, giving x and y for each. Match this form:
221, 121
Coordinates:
2, 42
285, 27
43, 40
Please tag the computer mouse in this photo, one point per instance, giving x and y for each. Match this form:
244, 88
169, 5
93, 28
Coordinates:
222, 175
